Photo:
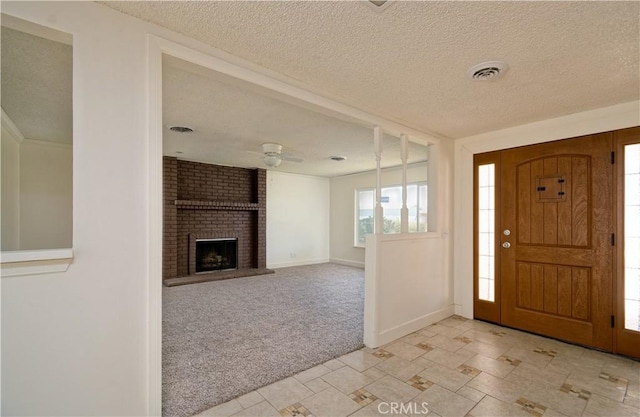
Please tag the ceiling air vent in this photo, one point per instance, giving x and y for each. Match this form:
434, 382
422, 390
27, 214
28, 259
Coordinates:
487, 71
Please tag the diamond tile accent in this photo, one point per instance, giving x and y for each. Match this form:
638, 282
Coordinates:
463, 339
618, 381
531, 407
542, 351
362, 397
419, 382
497, 333
468, 370
382, 354
426, 347
509, 360
575, 391
295, 410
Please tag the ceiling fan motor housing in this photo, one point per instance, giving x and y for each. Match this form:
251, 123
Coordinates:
271, 148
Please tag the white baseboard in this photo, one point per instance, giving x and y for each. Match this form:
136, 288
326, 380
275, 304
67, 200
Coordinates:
387, 336
347, 262
297, 263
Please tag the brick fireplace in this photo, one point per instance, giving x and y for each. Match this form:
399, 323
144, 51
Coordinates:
204, 202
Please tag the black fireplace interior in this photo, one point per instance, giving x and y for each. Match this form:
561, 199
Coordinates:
216, 254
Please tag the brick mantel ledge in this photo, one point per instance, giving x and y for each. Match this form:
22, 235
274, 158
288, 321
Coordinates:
217, 205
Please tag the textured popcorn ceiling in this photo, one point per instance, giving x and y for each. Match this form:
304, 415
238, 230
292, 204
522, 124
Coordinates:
231, 120
408, 62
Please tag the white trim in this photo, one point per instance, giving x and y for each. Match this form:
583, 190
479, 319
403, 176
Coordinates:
35, 262
298, 263
51, 144
35, 29
11, 128
35, 255
411, 326
154, 227
347, 262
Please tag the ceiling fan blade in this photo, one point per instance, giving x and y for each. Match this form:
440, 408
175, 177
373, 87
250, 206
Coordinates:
291, 158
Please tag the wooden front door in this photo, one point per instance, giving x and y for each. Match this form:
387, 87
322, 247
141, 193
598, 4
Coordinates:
555, 239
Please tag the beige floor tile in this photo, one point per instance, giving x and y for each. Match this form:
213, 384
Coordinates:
470, 393
334, 364
528, 355
330, 403
445, 377
632, 402
449, 359
491, 407
313, 373
454, 321
485, 349
374, 373
538, 375
400, 368
317, 385
623, 368
508, 391
359, 360
376, 409
284, 393
347, 379
448, 331
553, 398
391, 389
223, 410
597, 385
446, 343
262, 409
482, 335
415, 338
250, 399
445, 402
633, 389
404, 350
427, 332
601, 406
491, 366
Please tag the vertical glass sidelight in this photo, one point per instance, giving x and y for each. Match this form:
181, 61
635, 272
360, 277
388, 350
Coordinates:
632, 237
486, 232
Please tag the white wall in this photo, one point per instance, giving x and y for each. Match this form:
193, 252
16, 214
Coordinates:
46, 196
343, 208
297, 219
74, 343
10, 210
594, 121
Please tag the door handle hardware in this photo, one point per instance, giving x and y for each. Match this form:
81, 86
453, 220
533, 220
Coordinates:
541, 188
506, 232
506, 245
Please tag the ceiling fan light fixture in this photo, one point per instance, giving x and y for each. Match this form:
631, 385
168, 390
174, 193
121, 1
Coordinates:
272, 160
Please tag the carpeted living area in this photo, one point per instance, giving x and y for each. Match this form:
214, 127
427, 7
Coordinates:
222, 339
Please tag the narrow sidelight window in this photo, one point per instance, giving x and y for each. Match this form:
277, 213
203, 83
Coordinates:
486, 232
632, 237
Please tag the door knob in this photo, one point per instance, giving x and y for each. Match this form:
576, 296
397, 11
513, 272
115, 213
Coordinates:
507, 232
506, 245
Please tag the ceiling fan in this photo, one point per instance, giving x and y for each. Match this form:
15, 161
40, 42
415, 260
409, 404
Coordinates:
273, 156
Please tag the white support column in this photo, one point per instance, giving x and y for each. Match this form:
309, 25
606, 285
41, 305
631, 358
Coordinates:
404, 156
377, 149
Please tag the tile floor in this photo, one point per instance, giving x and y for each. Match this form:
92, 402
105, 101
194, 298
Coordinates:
456, 367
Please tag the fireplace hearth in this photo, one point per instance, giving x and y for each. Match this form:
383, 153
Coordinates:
216, 255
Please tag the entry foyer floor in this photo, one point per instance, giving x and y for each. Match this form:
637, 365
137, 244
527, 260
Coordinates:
457, 367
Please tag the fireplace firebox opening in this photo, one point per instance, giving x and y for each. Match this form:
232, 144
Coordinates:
216, 254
